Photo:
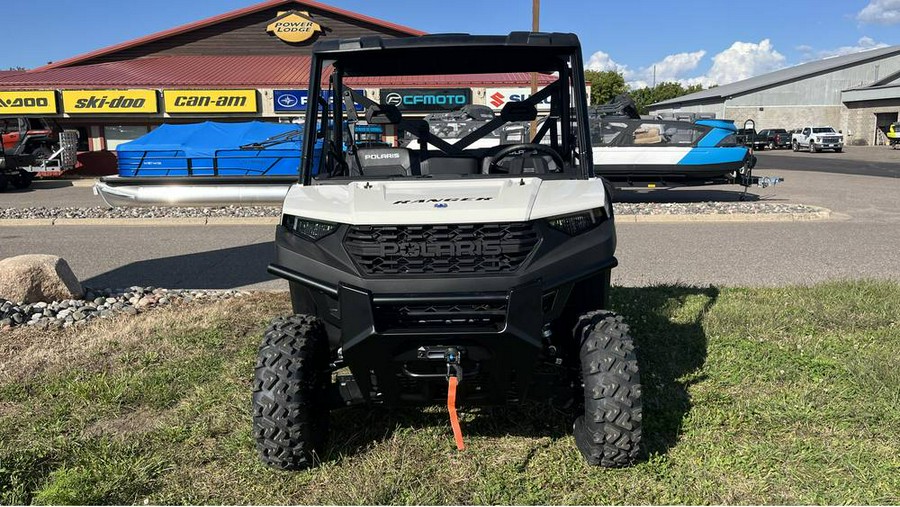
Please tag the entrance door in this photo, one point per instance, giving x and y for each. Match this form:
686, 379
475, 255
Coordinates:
882, 122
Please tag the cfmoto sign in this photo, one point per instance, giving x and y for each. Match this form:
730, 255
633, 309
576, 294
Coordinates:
426, 99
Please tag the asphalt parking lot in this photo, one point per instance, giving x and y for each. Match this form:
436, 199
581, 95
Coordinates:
861, 239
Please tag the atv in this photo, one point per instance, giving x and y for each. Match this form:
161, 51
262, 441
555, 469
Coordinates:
441, 272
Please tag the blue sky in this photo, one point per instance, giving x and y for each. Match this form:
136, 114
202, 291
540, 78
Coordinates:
691, 41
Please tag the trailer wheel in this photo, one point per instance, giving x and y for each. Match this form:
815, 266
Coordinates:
290, 410
22, 180
609, 432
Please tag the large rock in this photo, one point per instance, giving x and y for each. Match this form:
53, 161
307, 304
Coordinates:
34, 278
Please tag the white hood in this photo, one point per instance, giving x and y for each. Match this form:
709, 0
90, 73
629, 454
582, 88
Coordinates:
443, 201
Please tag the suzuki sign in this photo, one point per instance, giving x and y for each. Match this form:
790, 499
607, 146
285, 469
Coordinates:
498, 97
426, 99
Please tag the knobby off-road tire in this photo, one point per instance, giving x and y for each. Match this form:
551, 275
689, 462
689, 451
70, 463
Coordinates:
290, 409
609, 432
22, 180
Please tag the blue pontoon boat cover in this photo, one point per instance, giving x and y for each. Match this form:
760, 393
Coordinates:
213, 148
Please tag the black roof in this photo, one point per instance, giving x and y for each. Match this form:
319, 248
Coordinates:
450, 53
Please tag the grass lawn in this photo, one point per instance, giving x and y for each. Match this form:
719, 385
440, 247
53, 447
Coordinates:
788, 395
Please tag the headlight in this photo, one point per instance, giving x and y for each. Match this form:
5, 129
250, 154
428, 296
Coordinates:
306, 228
578, 223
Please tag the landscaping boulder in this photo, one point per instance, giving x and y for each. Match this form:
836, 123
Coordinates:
36, 278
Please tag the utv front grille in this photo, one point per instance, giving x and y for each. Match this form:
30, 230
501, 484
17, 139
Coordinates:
440, 249
487, 315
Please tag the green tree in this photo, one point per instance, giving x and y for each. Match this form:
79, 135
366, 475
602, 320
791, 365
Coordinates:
644, 97
605, 85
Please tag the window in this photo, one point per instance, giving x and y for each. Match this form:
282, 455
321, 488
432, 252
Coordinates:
119, 134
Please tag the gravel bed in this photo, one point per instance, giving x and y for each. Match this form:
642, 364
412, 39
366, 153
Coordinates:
622, 208
709, 208
101, 304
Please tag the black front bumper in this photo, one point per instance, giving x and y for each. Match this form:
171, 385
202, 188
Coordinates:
499, 320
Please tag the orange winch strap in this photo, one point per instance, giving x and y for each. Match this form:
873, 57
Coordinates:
454, 419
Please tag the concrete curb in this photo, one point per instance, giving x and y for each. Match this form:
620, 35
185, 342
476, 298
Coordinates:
138, 222
819, 214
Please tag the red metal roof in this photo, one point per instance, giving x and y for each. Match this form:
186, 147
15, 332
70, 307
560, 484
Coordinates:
168, 71
228, 72
228, 16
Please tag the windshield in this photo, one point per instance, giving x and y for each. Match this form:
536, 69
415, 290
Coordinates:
822, 130
645, 133
404, 130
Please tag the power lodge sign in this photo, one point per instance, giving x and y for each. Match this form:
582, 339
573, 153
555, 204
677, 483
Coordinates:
109, 101
293, 26
28, 102
210, 101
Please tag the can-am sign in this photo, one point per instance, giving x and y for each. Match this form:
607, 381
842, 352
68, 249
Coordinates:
293, 26
210, 101
498, 97
109, 101
426, 99
290, 101
28, 102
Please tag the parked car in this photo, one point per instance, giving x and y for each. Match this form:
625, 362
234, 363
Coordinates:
750, 139
776, 138
816, 139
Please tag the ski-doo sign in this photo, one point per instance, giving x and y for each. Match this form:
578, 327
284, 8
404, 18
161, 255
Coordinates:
109, 101
498, 97
426, 99
28, 102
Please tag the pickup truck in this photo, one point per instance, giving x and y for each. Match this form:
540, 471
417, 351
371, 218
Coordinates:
775, 138
750, 139
816, 139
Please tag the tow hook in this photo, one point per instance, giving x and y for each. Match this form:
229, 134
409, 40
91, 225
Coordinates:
454, 366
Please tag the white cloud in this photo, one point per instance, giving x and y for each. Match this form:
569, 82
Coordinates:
882, 12
670, 68
673, 67
863, 44
601, 61
741, 61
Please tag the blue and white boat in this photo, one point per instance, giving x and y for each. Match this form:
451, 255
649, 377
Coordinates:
663, 153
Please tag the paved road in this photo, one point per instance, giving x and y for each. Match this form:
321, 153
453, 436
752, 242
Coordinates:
863, 241
878, 161
701, 254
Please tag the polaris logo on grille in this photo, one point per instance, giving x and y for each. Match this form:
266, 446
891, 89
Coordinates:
485, 248
442, 199
380, 156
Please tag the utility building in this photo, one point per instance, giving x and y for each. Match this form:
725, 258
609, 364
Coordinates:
858, 94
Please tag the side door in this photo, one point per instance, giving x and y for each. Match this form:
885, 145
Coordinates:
804, 136
9, 130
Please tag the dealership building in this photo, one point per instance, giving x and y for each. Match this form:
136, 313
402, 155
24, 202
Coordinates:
858, 94
248, 64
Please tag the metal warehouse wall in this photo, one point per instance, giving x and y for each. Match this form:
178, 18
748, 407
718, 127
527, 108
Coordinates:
821, 90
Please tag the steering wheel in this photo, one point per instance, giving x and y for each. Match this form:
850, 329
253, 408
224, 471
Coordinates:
514, 148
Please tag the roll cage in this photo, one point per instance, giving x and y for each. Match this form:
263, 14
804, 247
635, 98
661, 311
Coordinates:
330, 147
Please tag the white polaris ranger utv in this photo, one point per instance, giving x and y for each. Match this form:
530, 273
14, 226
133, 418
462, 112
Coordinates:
439, 272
